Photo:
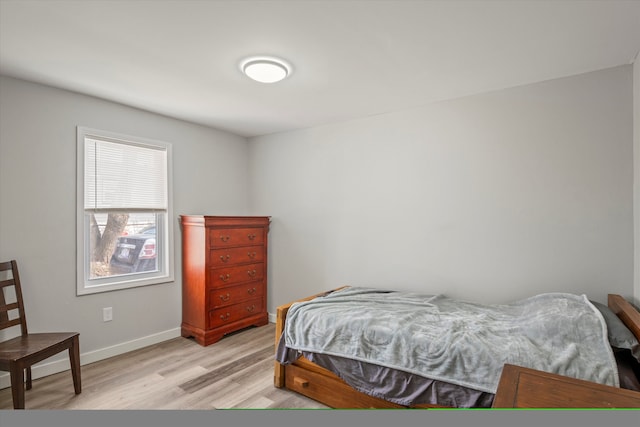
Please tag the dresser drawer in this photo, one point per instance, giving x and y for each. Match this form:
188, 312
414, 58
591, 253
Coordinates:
235, 274
233, 313
235, 294
226, 237
232, 256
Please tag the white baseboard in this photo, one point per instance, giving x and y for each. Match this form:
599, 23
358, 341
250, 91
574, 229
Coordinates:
272, 318
49, 368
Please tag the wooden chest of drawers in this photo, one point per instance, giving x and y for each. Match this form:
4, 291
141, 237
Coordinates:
224, 275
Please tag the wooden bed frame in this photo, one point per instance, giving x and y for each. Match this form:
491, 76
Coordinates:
322, 385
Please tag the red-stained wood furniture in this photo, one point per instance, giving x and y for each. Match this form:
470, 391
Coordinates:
224, 275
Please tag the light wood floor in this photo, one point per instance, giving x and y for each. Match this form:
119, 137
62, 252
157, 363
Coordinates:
235, 372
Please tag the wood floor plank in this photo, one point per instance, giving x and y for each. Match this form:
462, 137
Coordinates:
178, 374
229, 369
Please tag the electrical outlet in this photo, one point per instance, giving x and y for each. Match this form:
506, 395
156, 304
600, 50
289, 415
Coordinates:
107, 314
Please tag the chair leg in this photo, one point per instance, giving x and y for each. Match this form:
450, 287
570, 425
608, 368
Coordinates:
74, 358
16, 372
29, 383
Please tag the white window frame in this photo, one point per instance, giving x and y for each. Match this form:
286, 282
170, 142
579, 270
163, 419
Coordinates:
165, 273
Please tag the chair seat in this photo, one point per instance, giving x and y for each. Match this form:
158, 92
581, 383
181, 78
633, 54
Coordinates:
34, 345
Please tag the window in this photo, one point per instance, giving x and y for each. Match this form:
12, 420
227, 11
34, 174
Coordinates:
124, 206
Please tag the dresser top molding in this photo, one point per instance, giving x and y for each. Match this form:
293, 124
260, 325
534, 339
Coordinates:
211, 220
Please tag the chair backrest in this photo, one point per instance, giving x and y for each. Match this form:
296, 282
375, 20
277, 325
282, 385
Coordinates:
11, 306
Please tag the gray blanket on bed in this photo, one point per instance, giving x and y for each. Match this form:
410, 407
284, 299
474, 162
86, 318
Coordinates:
459, 342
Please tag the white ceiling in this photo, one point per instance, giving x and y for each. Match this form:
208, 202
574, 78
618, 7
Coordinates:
351, 58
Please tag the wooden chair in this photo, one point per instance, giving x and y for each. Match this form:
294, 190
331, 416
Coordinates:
20, 353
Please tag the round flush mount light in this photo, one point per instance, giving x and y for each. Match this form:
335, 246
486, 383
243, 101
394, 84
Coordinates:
265, 69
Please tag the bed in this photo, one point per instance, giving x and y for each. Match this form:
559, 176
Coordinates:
605, 351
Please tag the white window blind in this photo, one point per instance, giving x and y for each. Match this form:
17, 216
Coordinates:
124, 176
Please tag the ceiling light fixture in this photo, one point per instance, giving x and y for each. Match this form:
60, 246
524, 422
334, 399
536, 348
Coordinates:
265, 69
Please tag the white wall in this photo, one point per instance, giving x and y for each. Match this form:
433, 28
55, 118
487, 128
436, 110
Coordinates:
491, 197
38, 209
636, 168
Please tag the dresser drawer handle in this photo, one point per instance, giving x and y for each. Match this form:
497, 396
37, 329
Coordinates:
251, 308
225, 297
225, 258
225, 238
251, 273
225, 317
251, 291
225, 278
251, 236
251, 255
